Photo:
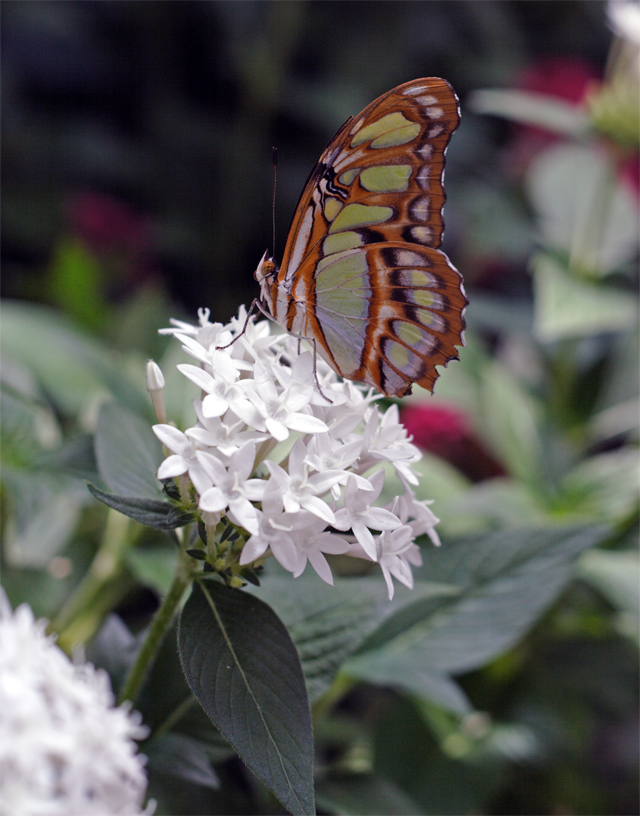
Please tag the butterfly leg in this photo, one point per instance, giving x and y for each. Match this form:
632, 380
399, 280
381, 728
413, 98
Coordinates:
315, 370
255, 305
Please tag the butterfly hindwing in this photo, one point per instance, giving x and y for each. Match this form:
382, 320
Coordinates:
388, 314
362, 268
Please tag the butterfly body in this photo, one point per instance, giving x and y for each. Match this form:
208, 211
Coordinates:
362, 273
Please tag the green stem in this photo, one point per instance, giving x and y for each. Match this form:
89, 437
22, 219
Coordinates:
158, 629
341, 685
104, 585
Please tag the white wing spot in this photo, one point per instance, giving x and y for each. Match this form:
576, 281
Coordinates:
423, 176
427, 100
416, 90
419, 209
404, 257
422, 235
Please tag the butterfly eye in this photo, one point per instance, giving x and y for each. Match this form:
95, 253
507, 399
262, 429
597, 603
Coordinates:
266, 269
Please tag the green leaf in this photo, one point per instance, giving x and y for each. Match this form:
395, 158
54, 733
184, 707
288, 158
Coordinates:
492, 504
128, 453
328, 626
184, 757
157, 514
510, 418
506, 580
404, 673
154, 565
245, 671
69, 364
532, 109
615, 575
583, 211
76, 282
567, 306
604, 487
42, 501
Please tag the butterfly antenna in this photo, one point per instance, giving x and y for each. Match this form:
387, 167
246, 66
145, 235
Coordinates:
274, 155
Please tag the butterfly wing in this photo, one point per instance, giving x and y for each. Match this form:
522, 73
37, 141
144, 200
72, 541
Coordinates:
362, 266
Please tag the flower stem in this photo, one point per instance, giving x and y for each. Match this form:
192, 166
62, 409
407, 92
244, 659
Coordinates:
158, 629
103, 587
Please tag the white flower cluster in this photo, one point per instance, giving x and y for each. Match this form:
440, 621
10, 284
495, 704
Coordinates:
300, 468
64, 749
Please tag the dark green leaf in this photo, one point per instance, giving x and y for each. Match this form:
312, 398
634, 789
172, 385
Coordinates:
128, 453
506, 581
328, 625
182, 756
157, 514
409, 755
242, 666
407, 674
199, 555
114, 649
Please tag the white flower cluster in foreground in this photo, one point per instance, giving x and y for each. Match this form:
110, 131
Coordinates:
64, 749
300, 469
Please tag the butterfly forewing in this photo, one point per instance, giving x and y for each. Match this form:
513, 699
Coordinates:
362, 269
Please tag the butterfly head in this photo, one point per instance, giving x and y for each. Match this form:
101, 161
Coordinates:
265, 274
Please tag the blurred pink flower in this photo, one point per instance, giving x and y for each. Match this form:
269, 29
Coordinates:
445, 431
435, 428
116, 233
561, 77
105, 223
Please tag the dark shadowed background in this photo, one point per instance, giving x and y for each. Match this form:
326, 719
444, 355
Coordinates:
144, 129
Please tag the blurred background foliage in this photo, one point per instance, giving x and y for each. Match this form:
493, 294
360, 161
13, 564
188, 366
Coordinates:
137, 185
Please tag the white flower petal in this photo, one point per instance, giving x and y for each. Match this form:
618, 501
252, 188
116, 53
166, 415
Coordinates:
277, 429
321, 566
171, 467
171, 437
213, 500
64, 747
243, 513
319, 508
198, 376
285, 552
214, 405
253, 549
212, 466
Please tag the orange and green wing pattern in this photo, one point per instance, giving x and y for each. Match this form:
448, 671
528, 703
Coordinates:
362, 263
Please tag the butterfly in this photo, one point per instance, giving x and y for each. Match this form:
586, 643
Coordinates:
363, 276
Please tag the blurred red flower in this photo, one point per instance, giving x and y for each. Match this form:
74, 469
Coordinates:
562, 77
106, 224
445, 431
